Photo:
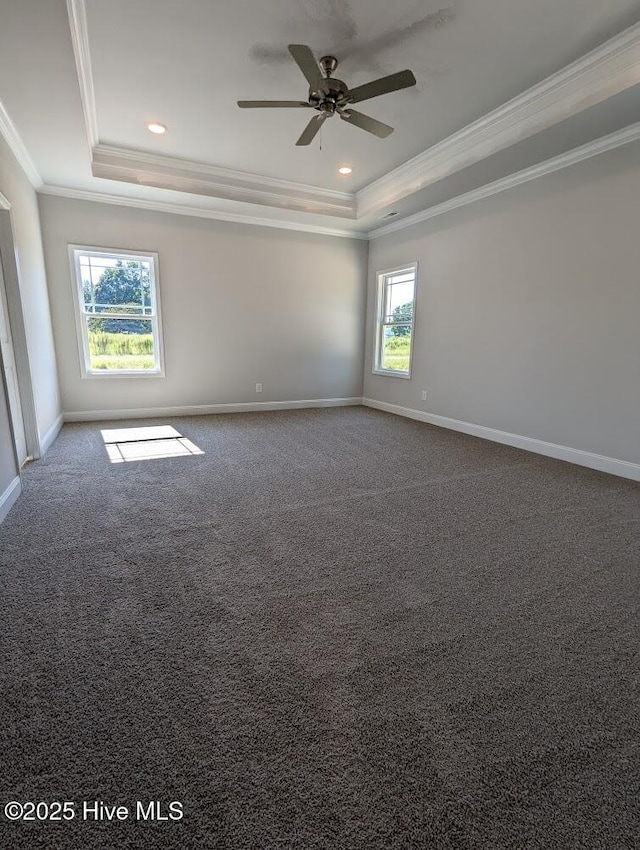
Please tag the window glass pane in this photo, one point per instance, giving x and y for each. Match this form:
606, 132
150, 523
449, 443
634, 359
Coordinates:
399, 300
395, 348
121, 344
116, 285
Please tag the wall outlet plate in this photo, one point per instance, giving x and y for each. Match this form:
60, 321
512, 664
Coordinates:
258, 388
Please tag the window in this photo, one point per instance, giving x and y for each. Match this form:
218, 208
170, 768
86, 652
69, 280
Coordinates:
117, 312
394, 328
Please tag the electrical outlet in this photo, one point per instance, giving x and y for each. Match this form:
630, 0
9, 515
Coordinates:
258, 388
424, 395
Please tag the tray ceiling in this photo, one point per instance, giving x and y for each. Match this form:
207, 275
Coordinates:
106, 69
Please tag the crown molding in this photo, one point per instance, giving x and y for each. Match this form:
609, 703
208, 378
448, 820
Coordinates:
607, 143
600, 74
197, 212
216, 172
77, 13
565, 160
164, 172
11, 136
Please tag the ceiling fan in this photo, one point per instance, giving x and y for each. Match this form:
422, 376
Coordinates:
330, 96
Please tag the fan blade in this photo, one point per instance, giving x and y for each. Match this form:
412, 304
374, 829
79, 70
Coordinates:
365, 122
309, 132
394, 82
270, 104
306, 61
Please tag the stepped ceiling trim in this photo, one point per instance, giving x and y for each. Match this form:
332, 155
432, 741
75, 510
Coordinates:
556, 163
198, 178
597, 76
77, 12
604, 72
197, 212
600, 74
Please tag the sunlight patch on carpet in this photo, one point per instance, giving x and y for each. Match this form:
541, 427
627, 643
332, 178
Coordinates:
146, 443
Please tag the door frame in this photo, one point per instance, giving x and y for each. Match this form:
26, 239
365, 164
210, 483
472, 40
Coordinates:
11, 388
11, 275
5, 389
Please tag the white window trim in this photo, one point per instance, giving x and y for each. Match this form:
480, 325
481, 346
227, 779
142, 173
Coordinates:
156, 319
377, 348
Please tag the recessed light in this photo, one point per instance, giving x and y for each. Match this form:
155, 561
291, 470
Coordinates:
345, 169
157, 128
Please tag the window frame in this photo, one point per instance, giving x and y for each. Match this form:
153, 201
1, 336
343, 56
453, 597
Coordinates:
75, 251
381, 285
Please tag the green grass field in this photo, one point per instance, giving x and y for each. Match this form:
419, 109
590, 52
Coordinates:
134, 351
121, 361
121, 351
396, 353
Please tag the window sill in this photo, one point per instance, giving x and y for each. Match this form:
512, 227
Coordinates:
117, 373
391, 374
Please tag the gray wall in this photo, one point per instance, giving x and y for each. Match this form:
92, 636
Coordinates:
25, 219
240, 305
528, 310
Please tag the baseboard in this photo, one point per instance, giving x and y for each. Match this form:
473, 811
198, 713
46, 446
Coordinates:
206, 409
10, 497
622, 468
47, 441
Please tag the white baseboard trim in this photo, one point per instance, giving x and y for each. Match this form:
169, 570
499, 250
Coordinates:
10, 497
622, 468
206, 409
47, 441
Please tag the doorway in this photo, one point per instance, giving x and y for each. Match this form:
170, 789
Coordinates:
13, 346
11, 378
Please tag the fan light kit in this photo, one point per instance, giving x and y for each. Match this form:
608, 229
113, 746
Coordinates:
330, 96
345, 169
154, 127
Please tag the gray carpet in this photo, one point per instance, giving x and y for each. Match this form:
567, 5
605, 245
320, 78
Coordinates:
333, 629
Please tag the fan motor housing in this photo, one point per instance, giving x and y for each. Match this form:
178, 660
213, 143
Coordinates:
329, 93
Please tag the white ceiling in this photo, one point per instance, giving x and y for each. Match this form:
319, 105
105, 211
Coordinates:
187, 63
